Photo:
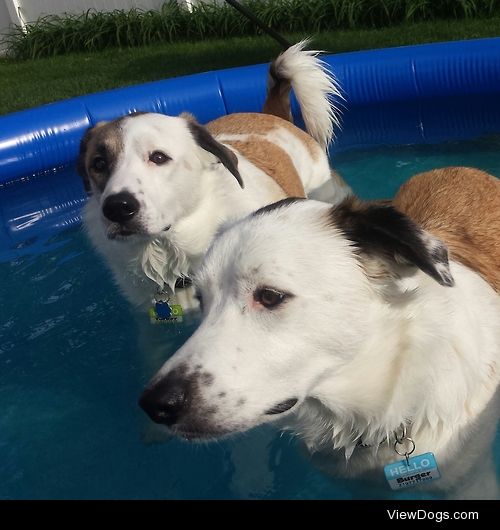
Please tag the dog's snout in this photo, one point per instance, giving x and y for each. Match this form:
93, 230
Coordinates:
120, 207
167, 400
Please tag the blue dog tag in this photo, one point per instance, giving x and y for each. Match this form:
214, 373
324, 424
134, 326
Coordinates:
163, 310
165, 313
419, 469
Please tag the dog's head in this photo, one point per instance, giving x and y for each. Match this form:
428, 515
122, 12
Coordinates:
287, 297
148, 171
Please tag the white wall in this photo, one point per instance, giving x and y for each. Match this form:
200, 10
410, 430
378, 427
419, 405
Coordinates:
30, 10
5, 20
4, 15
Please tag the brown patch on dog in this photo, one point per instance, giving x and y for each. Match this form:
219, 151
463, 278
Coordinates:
278, 103
461, 206
103, 140
273, 160
278, 95
260, 124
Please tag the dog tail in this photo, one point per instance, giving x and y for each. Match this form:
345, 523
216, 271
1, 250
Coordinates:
314, 88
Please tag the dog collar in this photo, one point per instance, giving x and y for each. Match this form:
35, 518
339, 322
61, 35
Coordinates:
405, 434
183, 282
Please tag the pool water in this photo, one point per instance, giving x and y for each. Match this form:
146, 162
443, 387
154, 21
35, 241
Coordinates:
71, 373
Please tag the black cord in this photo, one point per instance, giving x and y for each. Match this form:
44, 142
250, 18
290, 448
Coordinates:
270, 31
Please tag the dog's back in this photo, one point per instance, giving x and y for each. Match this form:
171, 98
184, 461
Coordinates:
461, 206
296, 160
256, 137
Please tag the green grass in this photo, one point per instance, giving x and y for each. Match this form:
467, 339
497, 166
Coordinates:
31, 83
94, 30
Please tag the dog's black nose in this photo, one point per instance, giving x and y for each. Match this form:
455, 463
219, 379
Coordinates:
167, 400
120, 207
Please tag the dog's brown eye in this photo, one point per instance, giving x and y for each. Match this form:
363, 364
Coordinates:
159, 158
99, 164
269, 298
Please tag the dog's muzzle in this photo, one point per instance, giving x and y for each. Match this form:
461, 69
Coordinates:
166, 401
120, 207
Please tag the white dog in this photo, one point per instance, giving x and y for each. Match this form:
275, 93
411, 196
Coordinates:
161, 186
351, 325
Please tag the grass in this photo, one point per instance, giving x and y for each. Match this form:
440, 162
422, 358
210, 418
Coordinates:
30, 83
94, 30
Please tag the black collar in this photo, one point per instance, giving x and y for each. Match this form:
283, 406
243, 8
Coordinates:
183, 283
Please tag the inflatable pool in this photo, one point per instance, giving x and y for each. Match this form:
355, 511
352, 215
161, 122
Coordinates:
406, 95
70, 371
47, 137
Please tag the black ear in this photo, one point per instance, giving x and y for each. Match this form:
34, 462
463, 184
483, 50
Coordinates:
206, 141
382, 231
80, 162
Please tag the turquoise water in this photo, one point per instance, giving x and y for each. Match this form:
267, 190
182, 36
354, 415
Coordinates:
71, 373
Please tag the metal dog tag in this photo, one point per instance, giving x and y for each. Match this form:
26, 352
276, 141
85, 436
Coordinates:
412, 472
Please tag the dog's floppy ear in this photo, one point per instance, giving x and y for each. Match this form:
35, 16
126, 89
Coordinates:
207, 142
381, 231
80, 162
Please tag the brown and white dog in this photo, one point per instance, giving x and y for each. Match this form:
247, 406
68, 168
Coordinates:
351, 323
161, 185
